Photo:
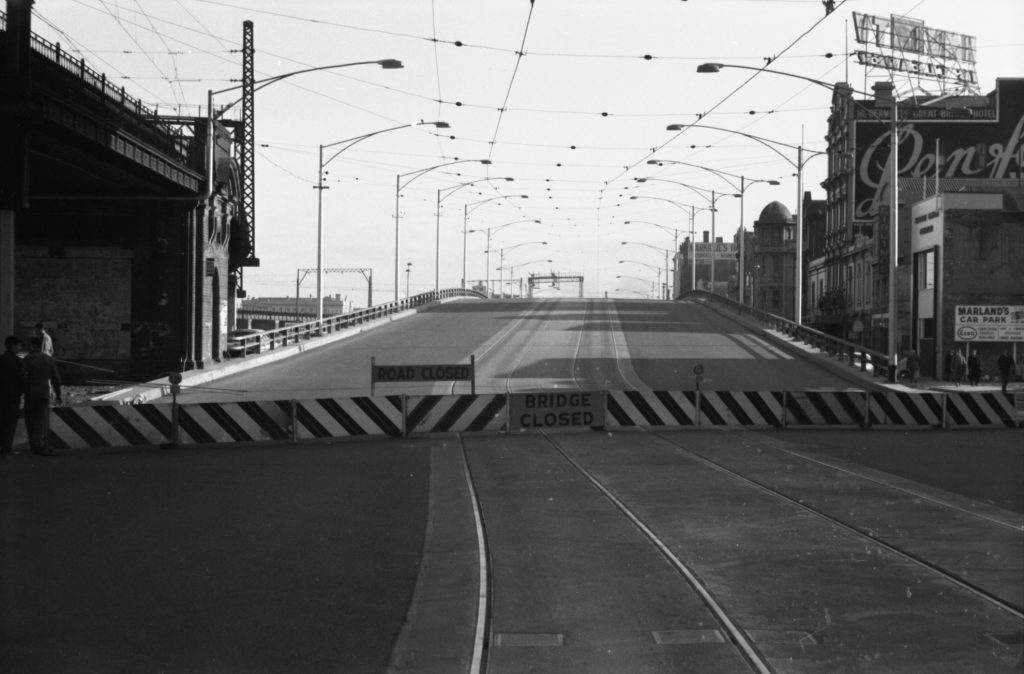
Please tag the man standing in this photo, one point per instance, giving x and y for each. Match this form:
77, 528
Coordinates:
11, 386
1005, 365
973, 368
47, 341
913, 367
40, 374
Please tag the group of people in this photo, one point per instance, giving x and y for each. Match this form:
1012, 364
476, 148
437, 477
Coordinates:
31, 376
958, 368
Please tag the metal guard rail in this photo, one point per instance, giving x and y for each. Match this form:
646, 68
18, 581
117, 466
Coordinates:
300, 332
855, 354
143, 121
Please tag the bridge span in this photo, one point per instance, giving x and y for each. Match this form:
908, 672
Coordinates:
667, 541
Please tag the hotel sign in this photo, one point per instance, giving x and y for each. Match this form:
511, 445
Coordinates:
989, 323
703, 252
975, 142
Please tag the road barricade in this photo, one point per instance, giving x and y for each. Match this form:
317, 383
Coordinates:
109, 426
907, 409
974, 408
348, 417
693, 408
170, 424
824, 408
452, 413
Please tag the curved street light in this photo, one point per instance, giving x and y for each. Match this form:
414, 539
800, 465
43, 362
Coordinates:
437, 214
693, 232
319, 187
501, 261
744, 184
512, 272
398, 191
891, 341
487, 250
387, 64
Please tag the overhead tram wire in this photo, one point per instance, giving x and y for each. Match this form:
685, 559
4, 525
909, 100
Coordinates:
515, 71
732, 93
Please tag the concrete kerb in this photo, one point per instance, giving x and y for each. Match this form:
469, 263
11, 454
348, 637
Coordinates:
850, 373
159, 388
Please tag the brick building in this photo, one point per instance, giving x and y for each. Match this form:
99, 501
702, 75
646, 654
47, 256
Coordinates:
946, 143
967, 250
119, 231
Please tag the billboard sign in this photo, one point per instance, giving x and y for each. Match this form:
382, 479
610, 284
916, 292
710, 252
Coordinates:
989, 323
973, 142
703, 252
903, 44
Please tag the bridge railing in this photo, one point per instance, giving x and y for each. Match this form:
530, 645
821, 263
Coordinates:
855, 354
307, 330
139, 120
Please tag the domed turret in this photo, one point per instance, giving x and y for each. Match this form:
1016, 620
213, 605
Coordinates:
775, 212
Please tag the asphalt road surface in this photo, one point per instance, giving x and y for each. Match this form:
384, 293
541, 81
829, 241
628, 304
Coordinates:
538, 344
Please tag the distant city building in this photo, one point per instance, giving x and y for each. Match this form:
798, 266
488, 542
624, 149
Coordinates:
948, 143
967, 262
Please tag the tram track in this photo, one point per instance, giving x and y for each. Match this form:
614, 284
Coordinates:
873, 538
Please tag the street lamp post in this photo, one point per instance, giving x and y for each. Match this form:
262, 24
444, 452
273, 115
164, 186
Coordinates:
675, 247
387, 64
712, 200
891, 342
744, 184
655, 248
487, 250
693, 232
408, 272
798, 165
437, 245
501, 262
512, 273
320, 187
466, 210
398, 191
656, 270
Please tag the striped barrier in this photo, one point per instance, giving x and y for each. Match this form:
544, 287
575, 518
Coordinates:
397, 416
824, 408
446, 414
692, 408
109, 426
349, 417
969, 408
907, 409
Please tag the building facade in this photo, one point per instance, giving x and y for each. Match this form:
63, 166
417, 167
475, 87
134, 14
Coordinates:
945, 143
968, 277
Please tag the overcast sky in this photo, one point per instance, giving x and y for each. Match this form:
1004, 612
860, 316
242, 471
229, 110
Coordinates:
570, 98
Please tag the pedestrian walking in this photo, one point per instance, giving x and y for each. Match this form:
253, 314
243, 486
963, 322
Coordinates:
1005, 365
973, 368
40, 377
46, 340
11, 386
947, 366
958, 367
913, 366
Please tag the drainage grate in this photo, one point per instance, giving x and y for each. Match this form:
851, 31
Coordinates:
800, 637
688, 637
527, 639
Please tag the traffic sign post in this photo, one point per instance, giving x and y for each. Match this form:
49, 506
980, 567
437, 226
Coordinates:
394, 374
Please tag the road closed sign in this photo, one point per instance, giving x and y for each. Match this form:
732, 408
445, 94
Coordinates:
570, 409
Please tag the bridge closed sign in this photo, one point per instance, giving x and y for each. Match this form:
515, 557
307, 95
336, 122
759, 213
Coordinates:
555, 409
